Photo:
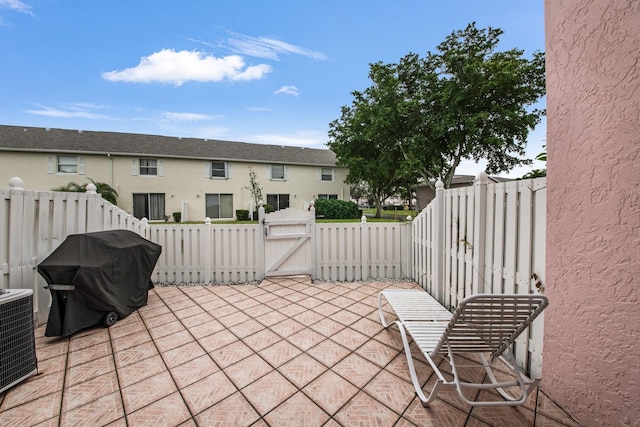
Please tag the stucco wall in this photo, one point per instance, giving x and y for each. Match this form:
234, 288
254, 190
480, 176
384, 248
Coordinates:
592, 326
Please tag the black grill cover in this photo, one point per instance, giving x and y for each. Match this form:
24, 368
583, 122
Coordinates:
110, 272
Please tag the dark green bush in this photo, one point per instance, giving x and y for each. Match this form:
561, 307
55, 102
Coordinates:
336, 209
242, 215
177, 216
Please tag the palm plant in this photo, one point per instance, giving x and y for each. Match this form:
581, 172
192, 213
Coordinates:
105, 190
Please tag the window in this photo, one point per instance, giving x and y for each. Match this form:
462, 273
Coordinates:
148, 167
278, 201
278, 172
328, 196
148, 205
326, 174
67, 164
219, 205
218, 170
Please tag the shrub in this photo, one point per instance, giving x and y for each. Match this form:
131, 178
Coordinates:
336, 209
177, 216
242, 215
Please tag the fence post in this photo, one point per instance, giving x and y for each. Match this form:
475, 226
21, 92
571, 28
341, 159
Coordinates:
262, 272
16, 212
479, 232
208, 253
364, 248
438, 243
406, 257
312, 234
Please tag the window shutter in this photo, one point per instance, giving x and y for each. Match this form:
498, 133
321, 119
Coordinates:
160, 167
286, 172
134, 167
333, 175
269, 172
207, 170
319, 174
50, 164
228, 166
81, 168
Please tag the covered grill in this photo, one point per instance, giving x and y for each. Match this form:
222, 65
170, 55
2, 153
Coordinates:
97, 278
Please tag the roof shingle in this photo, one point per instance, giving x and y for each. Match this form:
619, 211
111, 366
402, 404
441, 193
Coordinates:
20, 138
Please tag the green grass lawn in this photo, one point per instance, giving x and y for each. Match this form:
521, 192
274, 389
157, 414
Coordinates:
398, 217
389, 216
396, 214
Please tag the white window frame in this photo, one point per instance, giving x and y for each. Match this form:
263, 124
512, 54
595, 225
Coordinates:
277, 206
55, 163
219, 196
136, 167
152, 205
149, 166
285, 172
328, 196
210, 169
331, 174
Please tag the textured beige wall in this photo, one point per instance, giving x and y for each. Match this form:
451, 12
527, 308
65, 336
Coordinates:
183, 180
592, 326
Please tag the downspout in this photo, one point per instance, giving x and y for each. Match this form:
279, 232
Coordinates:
110, 170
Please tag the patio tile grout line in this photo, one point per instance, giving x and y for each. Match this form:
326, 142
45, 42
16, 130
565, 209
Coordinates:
350, 352
360, 389
64, 379
193, 416
115, 366
153, 340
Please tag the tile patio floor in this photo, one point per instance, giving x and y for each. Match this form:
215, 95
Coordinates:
283, 353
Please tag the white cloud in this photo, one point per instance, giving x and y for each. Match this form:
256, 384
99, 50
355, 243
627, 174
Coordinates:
259, 109
16, 5
169, 66
212, 132
71, 111
311, 139
263, 47
188, 117
287, 90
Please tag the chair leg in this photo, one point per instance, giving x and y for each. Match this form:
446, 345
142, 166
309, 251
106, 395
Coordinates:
412, 371
381, 312
494, 384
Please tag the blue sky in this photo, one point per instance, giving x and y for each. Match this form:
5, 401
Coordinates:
272, 72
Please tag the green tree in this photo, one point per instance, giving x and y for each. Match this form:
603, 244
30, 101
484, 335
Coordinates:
254, 187
365, 140
423, 116
470, 102
105, 190
537, 173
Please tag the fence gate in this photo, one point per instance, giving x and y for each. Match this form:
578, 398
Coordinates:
289, 242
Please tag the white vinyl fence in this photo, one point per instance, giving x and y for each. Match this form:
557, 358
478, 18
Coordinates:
489, 238
34, 223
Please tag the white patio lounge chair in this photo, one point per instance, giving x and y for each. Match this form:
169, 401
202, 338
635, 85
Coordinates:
481, 324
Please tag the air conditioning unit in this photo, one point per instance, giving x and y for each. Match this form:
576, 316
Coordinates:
17, 341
